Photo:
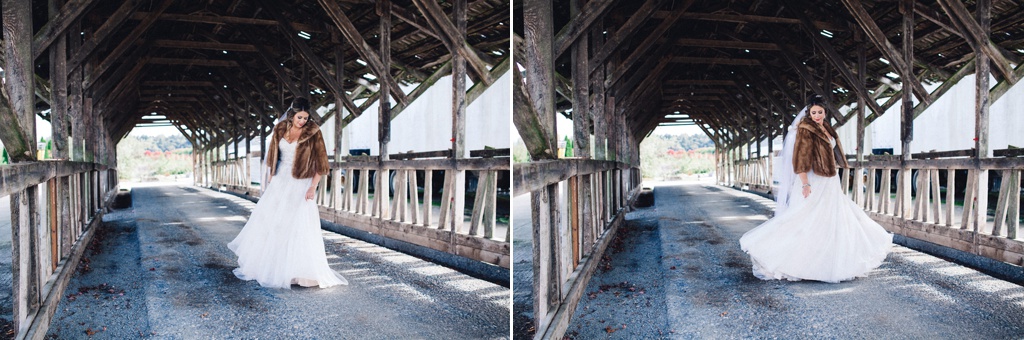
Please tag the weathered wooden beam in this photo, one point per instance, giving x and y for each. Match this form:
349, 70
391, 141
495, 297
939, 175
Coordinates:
881, 42
624, 32
275, 66
451, 38
968, 68
581, 93
497, 72
17, 102
203, 45
833, 57
128, 41
974, 33
113, 23
415, 93
578, 25
743, 45
222, 19
193, 62
355, 38
641, 50
802, 71
749, 18
537, 123
716, 61
176, 83
58, 24
699, 82
312, 60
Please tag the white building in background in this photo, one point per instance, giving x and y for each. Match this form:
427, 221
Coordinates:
948, 124
426, 125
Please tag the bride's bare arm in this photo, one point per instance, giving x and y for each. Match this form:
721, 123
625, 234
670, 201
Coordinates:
311, 192
806, 184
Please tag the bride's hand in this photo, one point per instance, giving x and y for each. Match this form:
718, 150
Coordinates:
310, 193
807, 191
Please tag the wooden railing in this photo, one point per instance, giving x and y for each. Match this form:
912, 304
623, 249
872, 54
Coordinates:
56, 206
595, 196
943, 204
753, 174
925, 211
395, 208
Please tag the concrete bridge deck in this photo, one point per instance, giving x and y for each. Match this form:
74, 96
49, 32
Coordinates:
675, 270
162, 269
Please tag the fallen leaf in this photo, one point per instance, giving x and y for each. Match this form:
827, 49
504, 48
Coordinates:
610, 330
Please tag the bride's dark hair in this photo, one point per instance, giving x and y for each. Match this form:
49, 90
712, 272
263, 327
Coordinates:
816, 100
300, 104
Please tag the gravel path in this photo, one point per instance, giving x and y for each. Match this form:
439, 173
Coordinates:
162, 269
685, 277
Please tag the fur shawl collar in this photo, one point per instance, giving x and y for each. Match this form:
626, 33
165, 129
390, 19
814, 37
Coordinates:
310, 154
813, 149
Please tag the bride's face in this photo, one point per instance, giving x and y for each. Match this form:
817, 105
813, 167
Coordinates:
300, 118
817, 114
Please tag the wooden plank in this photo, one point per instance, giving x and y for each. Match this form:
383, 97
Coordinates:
1013, 217
1004, 196
490, 204
446, 197
476, 217
936, 196
428, 197
970, 200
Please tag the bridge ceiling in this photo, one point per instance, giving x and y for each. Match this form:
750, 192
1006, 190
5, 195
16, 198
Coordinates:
222, 69
740, 69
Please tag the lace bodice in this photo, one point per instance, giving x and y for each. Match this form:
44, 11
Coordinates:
286, 153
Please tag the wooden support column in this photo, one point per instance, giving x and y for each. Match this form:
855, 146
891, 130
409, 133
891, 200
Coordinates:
982, 105
581, 132
858, 195
339, 99
907, 108
459, 73
539, 64
384, 107
597, 107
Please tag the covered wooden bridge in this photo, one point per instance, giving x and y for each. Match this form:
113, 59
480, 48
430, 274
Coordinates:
741, 70
221, 72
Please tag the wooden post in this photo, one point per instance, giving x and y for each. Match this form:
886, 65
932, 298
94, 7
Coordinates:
459, 118
339, 126
19, 128
581, 131
597, 102
907, 109
859, 151
384, 108
982, 104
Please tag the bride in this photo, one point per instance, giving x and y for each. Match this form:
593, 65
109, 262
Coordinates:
281, 244
817, 232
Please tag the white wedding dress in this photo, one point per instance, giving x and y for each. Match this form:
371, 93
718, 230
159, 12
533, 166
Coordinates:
823, 237
282, 244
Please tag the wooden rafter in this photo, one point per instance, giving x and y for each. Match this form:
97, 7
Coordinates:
354, 38
455, 42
